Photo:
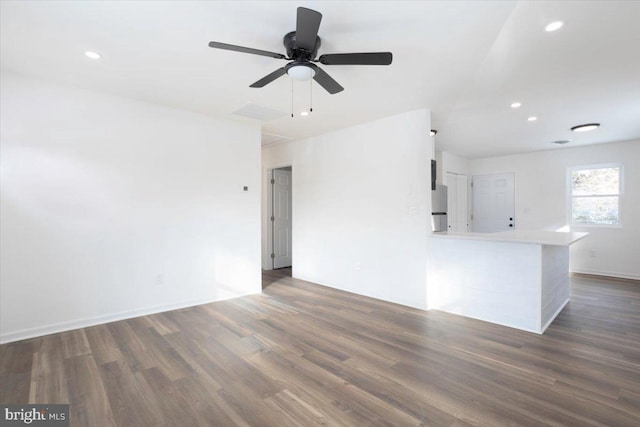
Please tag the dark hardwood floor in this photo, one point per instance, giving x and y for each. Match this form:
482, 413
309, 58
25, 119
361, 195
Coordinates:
302, 354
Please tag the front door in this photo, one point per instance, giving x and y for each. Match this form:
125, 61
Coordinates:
493, 203
281, 219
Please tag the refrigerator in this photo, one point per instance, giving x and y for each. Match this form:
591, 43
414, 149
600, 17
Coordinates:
439, 208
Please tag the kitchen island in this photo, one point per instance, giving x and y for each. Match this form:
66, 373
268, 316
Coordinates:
514, 278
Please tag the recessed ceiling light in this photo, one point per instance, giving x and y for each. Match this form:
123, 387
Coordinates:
516, 105
585, 128
554, 26
532, 118
92, 55
304, 113
433, 132
562, 141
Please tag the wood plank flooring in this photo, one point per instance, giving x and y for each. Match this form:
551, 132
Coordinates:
303, 355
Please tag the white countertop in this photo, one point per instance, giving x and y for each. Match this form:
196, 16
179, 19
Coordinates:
541, 237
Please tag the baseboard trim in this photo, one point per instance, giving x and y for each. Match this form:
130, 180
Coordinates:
607, 275
351, 291
107, 318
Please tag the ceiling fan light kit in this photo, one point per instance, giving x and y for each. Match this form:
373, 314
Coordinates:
300, 72
302, 47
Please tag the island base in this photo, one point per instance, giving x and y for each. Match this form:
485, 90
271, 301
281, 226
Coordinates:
521, 285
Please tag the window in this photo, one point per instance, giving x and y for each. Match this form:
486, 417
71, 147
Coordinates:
594, 193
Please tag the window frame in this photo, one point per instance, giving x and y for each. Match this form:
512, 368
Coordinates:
571, 197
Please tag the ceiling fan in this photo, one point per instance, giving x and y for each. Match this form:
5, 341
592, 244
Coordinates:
302, 47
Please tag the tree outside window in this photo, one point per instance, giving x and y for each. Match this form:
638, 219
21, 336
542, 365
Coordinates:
595, 194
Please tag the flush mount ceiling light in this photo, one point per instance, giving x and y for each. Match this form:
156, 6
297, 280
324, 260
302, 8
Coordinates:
562, 141
92, 55
553, 26
586, 127
304, 113
532, 118
516, 105
433, 132
301, 72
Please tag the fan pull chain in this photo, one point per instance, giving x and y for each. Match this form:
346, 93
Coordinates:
291, 98
310, 95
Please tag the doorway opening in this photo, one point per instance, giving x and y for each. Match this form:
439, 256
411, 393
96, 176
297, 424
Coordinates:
280, 218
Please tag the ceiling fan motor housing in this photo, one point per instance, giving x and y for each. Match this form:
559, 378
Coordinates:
297, 54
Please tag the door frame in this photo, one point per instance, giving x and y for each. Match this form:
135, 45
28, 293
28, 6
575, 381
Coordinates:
267, 209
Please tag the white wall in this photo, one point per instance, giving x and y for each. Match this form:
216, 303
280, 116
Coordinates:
113, 208
360, 199
455, 164
541, 202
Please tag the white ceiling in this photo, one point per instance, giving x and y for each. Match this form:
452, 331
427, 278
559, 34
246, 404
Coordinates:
464, 60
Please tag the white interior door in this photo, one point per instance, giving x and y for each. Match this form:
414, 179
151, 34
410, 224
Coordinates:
493, 203
457, 202
281, 218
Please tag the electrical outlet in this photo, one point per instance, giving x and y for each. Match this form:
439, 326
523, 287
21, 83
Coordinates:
160, 279
358, 266
592, 254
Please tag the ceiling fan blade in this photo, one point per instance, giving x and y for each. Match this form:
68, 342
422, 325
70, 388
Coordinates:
225, 46
327, 82
269, 78
369, 58
307, 25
